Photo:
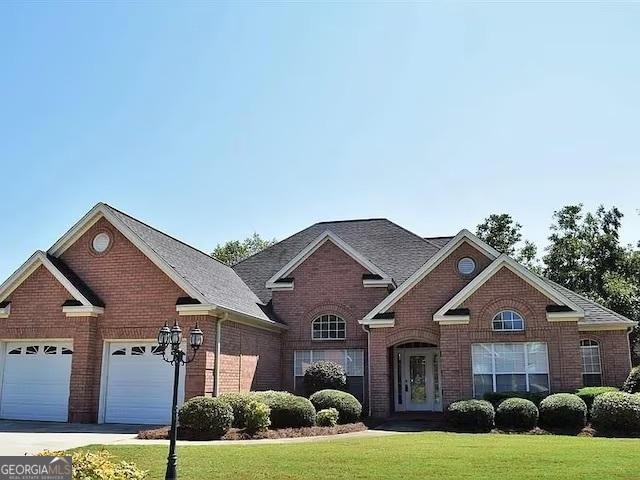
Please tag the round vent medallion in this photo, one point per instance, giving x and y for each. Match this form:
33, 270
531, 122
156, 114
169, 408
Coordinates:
101, 242
466, 266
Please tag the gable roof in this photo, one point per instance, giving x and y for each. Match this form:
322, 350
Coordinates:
320, 240
393, 249
198, 274
76, 287
504, 261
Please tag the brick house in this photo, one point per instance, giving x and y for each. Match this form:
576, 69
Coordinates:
416, 322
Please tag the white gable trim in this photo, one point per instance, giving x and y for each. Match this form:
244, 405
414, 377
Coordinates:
463, 236
506, 262
101, 210
30, 266
315, 245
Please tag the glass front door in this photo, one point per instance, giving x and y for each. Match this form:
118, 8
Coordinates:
417, 382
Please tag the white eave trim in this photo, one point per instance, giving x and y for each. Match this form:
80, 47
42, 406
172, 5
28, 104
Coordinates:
563, 317
5, 311
602, 326
453, 320
219, 311
30, 266
315, 245
82, 311
282, 286
372, 283
463, 236
380, 323
506, 262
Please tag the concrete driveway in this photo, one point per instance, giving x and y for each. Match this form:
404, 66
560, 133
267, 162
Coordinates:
26, 438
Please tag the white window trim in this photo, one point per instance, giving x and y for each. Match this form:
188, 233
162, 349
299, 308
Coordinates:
507, 329
597, 345
493, 364
328, 339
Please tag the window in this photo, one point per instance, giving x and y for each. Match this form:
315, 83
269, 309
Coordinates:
508, 320
66, 351
591, 366
466, 266
157, 350
352, 360
510, 367
50, 349
101, 242
120, 351
137, 350
328, 327
15, 351
32, 350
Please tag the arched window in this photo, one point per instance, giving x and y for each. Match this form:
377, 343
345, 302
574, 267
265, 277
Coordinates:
328, 327
508, 320
591, 366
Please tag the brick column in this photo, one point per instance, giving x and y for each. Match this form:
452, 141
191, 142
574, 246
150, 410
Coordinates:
199, 373
85, 376
380, 380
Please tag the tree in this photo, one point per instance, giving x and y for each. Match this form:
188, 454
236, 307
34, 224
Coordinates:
503, 233
235, 251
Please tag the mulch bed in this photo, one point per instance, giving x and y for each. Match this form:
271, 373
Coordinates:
239, 434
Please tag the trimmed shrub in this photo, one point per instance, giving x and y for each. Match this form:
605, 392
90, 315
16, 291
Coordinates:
101, 464
287, 410
471, 415
496, 398
348, 406
206, 414
327, 417
632, 383
588, 394
257, 416
238, 403
324, 375
563, 411
517, 414
616, 412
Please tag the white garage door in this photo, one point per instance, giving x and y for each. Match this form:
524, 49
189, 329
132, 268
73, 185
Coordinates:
35, 381
139, 385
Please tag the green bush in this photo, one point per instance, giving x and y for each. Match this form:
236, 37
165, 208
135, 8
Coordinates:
616, 412
287, 410
632, 383
257, 416
324, 375
588, 394
348, 406
99, 465
517, 414
206, 414
563, 411
496, 398
471, 415
327, 417
238, 403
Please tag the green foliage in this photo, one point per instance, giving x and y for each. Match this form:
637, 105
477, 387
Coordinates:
327, 417
517, 414
206, 414
588, 394
348, 406
563, 411
238, 403
235, 251
496, 398
98, 465
632, 383
503, 233
471, 415
616, 412
322, 375
287, 410
257, 416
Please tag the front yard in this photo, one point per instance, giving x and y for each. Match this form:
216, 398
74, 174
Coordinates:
431, 455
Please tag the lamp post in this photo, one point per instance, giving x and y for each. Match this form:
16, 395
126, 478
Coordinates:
173, 337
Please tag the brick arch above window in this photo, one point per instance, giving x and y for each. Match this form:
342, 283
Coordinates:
486, 315
406, 335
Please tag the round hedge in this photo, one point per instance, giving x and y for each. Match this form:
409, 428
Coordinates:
287, 410
207, 415
238, 403
588, 394
563, 411
327, 417
517, 414
348, 407
632, 383
471, 415
324, 375
616, 412
257, 416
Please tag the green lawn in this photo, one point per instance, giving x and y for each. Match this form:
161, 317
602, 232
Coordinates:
431, 455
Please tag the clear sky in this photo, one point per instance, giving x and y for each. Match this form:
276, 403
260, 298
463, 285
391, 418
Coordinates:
214, 121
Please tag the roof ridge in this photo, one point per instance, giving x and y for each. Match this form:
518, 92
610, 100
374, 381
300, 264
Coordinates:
353, 220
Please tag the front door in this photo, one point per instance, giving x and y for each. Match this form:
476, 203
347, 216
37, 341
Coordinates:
417, 375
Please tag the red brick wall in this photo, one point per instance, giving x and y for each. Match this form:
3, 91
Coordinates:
614, 355
328, 282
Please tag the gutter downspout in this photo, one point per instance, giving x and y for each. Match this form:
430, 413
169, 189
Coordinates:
368, 332
216, 366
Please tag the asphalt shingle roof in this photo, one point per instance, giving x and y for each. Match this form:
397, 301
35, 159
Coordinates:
82, 287
217, 282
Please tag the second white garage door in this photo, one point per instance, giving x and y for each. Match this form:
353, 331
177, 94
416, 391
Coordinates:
138, 385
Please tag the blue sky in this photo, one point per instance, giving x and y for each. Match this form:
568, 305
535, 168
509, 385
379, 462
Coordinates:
211, 121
